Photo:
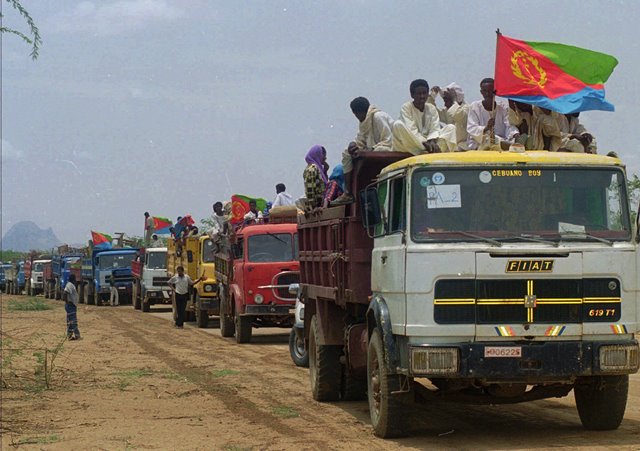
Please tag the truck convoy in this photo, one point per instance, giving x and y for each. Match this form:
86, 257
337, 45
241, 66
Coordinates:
196, 255
103, 266
150, 279
255, 266
484, 277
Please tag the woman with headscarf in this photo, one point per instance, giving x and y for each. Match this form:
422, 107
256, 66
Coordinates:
315, 177
335, 187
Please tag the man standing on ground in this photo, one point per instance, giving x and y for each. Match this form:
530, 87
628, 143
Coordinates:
488, 122
374, 134
180, 284
149, 228
71, 307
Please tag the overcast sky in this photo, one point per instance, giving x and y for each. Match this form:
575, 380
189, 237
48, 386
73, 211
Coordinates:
170, 105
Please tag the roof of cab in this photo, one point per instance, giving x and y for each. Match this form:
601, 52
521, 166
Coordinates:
485, 157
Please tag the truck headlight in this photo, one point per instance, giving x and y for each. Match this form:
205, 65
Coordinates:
431, 360
259, 299
619, 357
208, 288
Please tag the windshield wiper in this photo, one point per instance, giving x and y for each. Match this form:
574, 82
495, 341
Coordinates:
534, 238
576, 236
276, 237
477, 237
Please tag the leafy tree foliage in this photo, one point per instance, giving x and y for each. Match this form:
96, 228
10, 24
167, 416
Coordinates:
33, 38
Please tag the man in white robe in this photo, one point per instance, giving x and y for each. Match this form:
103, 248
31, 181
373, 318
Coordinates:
454, 113
374, 135
488, 121
575, 137
418, 130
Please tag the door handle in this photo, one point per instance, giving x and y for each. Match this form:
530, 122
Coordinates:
383, 258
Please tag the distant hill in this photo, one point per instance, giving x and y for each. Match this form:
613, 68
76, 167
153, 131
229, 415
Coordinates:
26, 235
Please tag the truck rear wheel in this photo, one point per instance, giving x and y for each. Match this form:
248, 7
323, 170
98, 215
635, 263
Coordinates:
325, 369
136, 296
243, 329
601, 401
297, 350
227, 325
58, 291
386, 409
202, 316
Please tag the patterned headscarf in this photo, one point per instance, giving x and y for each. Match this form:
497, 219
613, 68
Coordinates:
315, 157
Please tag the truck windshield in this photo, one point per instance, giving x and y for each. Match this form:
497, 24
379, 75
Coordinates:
208, 251
514, 203
157, 260
272, 247
37, 267
116, 261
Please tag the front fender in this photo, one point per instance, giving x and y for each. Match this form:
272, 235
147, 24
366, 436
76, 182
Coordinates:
378, 318
236, 293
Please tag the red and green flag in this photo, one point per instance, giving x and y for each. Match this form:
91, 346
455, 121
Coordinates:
101, 240
161, 225
240, 207
559, 77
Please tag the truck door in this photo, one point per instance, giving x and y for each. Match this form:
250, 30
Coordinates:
389, 252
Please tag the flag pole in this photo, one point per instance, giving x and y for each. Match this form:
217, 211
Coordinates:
492, 137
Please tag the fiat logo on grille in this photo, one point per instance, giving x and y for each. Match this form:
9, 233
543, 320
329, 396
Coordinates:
613, 285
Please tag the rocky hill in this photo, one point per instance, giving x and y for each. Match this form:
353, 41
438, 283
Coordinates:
26, 235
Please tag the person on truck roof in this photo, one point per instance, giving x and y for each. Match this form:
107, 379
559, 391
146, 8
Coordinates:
488, 121
574, 136
374, 134
335, 186
253, 215
315, 177
155, 242
418, 130
149, 227
283, 199
455, 111
218, 222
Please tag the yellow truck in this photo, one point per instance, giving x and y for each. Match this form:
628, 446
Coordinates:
196, 255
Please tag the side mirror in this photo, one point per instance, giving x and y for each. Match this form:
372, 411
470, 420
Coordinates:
369, 207
190, 256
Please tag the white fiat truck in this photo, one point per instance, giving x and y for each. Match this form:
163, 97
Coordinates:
495, 277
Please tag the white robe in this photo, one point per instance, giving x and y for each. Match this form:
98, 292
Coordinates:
479, 118
574, 127
416, 127
373, 133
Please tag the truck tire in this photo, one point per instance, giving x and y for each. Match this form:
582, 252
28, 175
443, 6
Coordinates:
387, 412
58, 291
202, 316
136, 300
227, 325
297, 350
28, 289
325, 369
96, 298
601, 401
81, 292
353, 386
243, 329
145, 306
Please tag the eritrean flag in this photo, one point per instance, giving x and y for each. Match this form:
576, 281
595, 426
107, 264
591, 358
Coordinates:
240, 207
559, 77
161, 225
101, 240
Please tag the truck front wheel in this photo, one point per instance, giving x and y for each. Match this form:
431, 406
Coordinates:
202, 316
81, 288
135, 296
601, 401
227, 326
385, 408
243, 329
297, 350
325, 369
144, 304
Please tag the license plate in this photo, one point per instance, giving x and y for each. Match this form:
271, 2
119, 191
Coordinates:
503, 351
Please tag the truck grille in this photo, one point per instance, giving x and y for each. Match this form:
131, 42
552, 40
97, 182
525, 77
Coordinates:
286, 279
527, 301
160, 281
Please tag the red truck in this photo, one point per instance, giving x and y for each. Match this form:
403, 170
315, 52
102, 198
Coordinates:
254, 267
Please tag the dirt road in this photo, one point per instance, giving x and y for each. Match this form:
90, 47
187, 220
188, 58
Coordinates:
134, 382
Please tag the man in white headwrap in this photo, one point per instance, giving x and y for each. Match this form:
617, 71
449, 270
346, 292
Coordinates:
374, 134
418, 130
454, 113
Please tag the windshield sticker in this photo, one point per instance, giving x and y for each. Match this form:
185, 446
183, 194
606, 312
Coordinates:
443, 196
438, 178
424, 182
485, 176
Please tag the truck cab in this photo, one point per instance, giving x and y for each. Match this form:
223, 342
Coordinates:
63, 266
196, 255
150, 279
495, 277
14, 278
101, 268
257, 266
34, 273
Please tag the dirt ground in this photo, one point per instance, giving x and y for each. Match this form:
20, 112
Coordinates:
135, 382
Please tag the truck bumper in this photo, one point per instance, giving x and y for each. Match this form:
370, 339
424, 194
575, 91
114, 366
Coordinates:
209, 303
264, 310
518, 361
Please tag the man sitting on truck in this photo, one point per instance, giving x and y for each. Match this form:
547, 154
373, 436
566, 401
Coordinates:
283, 199
418, 130
374, 134
455, 111
180, 284
488, 121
